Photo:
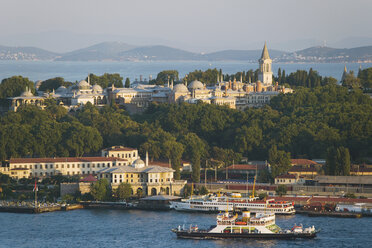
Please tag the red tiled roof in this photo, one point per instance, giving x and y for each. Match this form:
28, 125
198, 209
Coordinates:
119, 148
64, 159
302, 162
161, 164
89, 178
246, 167
287, 176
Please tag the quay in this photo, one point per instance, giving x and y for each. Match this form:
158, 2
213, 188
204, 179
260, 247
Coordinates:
13, 207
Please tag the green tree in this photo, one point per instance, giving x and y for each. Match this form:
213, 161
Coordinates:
162, 77
280, 161
53, 84
124, 191
203, 190
14, 86
127, 83
281, 190
365, 77
351, 82
106, 80
101, 190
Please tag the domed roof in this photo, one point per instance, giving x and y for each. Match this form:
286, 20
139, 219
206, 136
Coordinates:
97, 88
180, 88
61, 89
83, 84
196, 85
27, 93
138, 163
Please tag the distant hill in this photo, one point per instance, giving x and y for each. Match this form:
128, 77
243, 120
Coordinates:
118, 51
157, 53
101, 51
247, 55
328, 54
25, 53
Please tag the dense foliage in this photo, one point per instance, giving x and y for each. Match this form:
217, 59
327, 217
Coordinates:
106, 80
53, 84
303, 78
14, 86
163, 77
305, 124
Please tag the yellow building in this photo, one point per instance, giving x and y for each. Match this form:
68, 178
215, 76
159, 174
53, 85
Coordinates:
128, 153
144, 179
68, 166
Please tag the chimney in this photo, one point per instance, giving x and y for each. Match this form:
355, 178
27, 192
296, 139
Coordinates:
147, 158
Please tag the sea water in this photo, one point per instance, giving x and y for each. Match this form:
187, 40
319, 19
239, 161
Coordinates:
76, 71
135, 228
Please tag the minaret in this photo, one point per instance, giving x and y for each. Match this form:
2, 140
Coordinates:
265, 75
344, 74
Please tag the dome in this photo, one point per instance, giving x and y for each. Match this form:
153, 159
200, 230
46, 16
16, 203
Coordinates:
196, 85
180, 88
61, 89
27, 93
83, 84
97, 88
138, 163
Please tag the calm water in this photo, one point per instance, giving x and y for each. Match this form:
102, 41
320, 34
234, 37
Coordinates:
41, 70
120, 228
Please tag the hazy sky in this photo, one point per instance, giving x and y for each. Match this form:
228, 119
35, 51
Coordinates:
190, 24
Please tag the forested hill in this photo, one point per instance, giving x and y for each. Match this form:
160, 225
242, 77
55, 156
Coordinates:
305, 124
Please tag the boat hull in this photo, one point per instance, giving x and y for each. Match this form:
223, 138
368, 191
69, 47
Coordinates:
208, 235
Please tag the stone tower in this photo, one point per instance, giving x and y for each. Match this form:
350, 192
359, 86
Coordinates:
265, 74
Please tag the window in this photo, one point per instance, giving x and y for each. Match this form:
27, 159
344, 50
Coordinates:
56, 166
46, 166
68, 166
83, 165
131, 180
51, 166
62, 166
131, 175
35, 166
150, 180
73, 166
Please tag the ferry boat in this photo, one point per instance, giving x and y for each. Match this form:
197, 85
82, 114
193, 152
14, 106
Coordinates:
218, 203
262, 226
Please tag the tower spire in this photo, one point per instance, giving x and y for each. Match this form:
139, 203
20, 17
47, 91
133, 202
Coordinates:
265, 53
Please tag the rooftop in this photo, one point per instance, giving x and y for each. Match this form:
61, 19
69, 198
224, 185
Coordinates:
246, 167
302, 161
119, 148
63, 159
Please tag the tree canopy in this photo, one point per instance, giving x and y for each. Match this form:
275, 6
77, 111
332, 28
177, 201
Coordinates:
106, 80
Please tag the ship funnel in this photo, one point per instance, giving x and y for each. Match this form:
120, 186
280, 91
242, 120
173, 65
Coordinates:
246, 215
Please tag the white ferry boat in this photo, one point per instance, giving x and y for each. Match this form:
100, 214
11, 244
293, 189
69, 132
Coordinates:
262, 226
218, 203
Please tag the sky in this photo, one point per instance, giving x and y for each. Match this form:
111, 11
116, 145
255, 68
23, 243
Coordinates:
196, 25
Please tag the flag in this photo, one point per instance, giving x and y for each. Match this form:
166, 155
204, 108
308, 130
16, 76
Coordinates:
35, 188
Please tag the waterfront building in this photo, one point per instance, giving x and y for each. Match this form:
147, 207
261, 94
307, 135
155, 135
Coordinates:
67, 166
289, 179
144, 178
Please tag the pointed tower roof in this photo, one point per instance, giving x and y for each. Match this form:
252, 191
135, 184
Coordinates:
265, 53
345, 69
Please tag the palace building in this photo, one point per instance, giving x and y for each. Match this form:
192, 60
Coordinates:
234, 94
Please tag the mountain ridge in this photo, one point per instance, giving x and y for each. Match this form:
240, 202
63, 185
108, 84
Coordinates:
120, 51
